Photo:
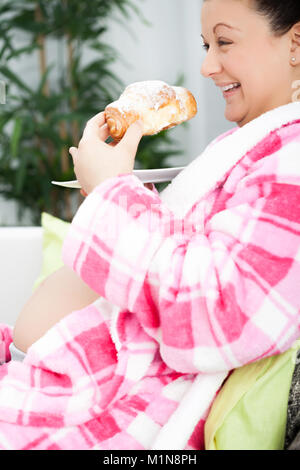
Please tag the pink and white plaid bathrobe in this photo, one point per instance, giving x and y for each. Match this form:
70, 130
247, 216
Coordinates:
193, 283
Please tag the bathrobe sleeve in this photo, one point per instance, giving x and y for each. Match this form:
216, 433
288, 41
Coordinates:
214, 299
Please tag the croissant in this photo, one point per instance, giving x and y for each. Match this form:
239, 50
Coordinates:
158, 105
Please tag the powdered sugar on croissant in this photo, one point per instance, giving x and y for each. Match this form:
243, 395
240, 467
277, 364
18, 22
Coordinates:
158, 105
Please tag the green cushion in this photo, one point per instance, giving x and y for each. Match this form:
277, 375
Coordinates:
250, 411
54, 232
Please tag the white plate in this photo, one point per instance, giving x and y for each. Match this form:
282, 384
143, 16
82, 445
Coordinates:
159, 175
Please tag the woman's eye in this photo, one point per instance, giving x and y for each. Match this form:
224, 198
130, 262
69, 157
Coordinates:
220, 43
223, 43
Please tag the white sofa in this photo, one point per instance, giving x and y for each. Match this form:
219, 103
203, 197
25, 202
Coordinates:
20, 266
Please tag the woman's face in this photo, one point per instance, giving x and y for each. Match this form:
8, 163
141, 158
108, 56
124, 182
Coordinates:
245, 52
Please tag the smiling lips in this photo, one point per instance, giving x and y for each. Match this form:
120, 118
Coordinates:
230, 89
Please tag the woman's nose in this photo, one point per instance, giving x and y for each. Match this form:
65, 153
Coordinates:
211, 65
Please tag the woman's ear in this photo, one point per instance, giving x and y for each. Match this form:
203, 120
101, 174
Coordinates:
295, 36
295, 44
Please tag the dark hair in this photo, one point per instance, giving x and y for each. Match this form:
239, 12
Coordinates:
282, 14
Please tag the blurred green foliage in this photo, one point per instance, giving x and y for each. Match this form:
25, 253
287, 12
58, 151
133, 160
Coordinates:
39, 123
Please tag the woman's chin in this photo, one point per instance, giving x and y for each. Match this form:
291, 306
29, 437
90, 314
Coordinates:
234, 116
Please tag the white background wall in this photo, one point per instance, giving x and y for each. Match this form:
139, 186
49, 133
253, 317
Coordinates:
170, 46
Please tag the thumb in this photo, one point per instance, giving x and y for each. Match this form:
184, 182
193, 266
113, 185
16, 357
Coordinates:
73, 151
132, 137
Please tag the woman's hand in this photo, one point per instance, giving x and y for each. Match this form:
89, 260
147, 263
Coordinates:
95, 160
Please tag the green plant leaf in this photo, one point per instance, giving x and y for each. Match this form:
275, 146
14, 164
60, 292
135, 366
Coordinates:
23, 50
20, 175
15, 138
44, 78
6, 72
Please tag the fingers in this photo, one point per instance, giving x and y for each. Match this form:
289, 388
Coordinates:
103, 132
132, 137
74, 151
93, 125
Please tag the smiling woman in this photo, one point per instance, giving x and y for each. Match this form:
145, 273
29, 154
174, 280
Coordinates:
252, 53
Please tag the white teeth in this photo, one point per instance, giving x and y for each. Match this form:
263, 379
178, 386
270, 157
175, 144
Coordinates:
229, 87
